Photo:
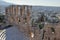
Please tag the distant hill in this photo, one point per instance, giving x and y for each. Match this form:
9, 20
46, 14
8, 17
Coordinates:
35, 8
4, 4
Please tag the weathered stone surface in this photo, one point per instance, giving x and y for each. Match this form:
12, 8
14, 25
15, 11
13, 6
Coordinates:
16, 16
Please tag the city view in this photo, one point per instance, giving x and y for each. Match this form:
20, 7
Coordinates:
28, 22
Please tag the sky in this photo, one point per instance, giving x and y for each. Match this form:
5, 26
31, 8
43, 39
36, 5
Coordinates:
35, 2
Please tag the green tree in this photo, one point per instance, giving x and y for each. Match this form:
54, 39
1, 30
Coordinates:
53, 30
40, 26
1, 18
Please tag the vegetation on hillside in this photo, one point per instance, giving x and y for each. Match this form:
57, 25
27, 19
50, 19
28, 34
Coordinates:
2, 18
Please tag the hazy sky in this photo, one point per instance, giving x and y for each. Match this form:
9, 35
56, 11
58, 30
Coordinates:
35, 2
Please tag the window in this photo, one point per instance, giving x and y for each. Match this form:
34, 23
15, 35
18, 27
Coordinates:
53, 30
19, 19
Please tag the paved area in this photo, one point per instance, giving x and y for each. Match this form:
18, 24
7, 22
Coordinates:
13, 33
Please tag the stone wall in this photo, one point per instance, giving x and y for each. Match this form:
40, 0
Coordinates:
49, 34
20, 16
